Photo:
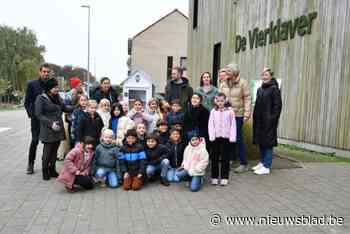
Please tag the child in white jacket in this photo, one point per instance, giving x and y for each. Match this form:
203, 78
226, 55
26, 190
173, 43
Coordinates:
195, 161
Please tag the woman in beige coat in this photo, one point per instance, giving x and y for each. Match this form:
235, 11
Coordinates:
238, 93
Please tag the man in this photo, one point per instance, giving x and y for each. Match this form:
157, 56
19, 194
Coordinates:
178, 88
105, 90
34, 89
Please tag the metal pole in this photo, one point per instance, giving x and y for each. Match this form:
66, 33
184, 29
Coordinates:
88, 55
88, 65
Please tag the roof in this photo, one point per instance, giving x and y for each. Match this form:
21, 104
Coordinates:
143, 73
174, 11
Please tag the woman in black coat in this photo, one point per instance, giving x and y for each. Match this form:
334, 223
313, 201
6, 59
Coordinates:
266, 114
48, 109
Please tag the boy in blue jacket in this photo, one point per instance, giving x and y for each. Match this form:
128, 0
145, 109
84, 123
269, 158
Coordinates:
132, 162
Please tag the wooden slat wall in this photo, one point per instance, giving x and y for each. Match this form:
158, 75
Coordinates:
315, 69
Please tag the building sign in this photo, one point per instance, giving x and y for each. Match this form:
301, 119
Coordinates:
276, 32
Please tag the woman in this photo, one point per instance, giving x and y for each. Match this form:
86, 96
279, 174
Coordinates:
77, 166
266, 114
48, 109
207, 90
237, 91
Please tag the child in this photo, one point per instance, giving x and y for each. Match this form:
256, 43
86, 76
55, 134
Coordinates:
162, 131
141, 134
175, 116
76, 166
78, 114
104, 111
156, 159
105, 166
164, 108
132, 162
125, 106
119, 123
91, 125
137, 114
196, 118
154, 115
222, 131
196, 159
175, 155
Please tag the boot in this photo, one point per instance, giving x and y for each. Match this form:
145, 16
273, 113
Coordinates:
46, 174
164, 181
30, 169
53, 173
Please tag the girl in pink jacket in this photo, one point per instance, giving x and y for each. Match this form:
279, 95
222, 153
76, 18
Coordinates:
77, 166
222, 131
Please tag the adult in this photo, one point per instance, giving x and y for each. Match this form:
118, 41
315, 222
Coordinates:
77, 166
34, 89
237, 91
266, 114
105, 90
48, 109
178, 88
207, 90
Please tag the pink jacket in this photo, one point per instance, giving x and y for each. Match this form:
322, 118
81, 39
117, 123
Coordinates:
74, 161
222, 124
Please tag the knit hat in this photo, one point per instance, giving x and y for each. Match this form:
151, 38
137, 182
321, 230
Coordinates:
74, 82
192, 134
50, 84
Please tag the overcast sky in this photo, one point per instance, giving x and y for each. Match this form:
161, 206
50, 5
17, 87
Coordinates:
61, 26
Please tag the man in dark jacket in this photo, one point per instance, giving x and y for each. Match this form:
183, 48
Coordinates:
105, 90
34, 89
178, 88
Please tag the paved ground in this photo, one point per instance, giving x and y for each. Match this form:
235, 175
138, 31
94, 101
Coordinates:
30, 205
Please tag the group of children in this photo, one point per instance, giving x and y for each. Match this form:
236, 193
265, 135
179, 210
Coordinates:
159, 142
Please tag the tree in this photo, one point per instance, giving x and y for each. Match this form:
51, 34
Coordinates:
20, 56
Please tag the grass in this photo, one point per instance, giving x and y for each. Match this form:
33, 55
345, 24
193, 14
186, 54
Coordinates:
304, 155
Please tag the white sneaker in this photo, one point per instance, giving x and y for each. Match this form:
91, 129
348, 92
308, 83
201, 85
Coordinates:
257, 167
262, 171
224, 182
214, 181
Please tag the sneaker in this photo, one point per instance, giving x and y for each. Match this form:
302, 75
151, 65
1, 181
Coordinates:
258, 166
214, 181
70, 190
224, 182
241, 169
262, 171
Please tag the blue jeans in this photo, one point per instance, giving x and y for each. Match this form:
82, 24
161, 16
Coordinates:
110, 175
163, 167
240, 143
171, 176
266, 156
196, 181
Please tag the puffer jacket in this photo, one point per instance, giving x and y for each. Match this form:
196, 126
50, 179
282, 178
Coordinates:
75, 161
106, 156
132, 159
239, 97
196, 159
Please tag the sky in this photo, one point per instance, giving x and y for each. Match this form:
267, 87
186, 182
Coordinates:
61, 26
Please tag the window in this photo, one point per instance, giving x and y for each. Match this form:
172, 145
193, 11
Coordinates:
195, 14
169, 67
216, 62
129, 46
183, 63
